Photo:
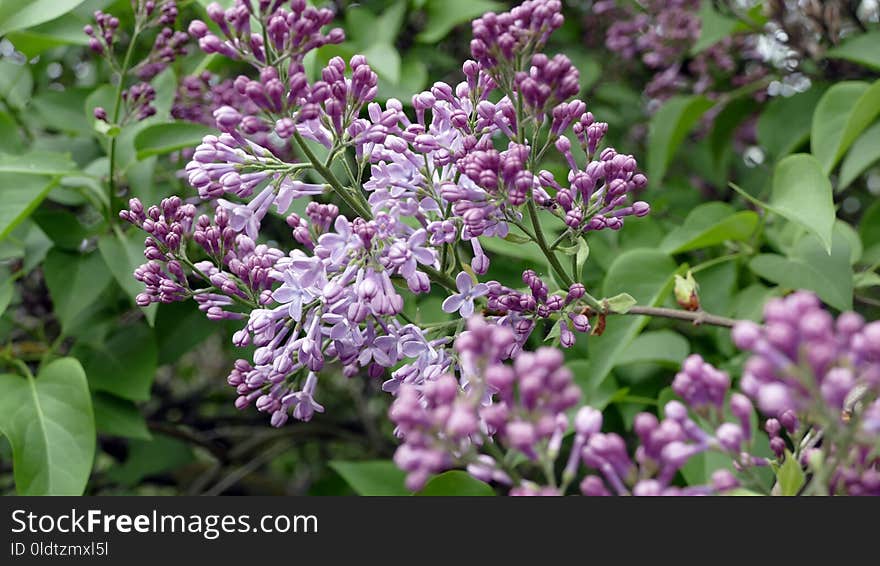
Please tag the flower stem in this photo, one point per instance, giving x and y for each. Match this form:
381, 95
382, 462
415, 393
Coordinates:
331, 178
440, 277
117, 108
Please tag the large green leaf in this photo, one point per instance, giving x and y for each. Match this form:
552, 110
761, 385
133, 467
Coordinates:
124, 364
844, 111
180, 327
659, 346
385, 60
862, 48
167, 137
123, 254
25, 180
668, 129
65, 30
456, 483
377, 477
646, 274
443, 15
713, 27
708, 225
20, 195
810, 267
49, 423
118, 417
75, 282
863, 153
783, 127
802, 193
21, 14
151, 457
16, 83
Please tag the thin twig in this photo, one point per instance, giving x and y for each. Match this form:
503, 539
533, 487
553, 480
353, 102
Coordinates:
698, 318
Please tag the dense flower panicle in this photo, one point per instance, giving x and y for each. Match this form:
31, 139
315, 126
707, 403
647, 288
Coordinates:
517, 33
436, 180
447, 420
814, 376
167, 47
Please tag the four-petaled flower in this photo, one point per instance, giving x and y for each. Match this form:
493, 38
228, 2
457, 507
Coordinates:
463, 302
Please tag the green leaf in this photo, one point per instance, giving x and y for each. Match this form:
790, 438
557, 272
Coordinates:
863, 153
443, 15
167, 137
725, 125
790, 476
118, 417
866, 279
148, 458
21, 14
699, 468
708, 225
863, 49
20, 195
49, 423
377, 477
75, 282
180, 327
668, 129
413, 78
869, 226
583, 253
124, 364
63, 111
364, 28
842, 114
37, 163
659, 346
782, 126
802, 193
512, 248
6, 290
713, 27
16, 83
621, 303
456, 483
646, 274
385, 60
65, 30
123, 254
810, 267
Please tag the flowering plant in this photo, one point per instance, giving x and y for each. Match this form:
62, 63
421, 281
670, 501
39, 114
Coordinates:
350, 238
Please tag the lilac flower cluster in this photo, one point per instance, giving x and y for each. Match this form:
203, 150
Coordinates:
449, 420
493, 410
662, 35
291, 33
818, 379
423, 190
168, 46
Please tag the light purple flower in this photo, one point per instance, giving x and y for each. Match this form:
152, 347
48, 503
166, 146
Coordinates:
463, 302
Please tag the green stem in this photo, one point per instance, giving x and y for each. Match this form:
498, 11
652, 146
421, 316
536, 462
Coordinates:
441, 278
551, 257
117, 108
331, 179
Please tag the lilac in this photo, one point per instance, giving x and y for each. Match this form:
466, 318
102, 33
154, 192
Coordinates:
463, 302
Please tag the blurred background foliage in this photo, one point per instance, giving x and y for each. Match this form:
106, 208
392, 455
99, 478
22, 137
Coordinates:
155, 414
